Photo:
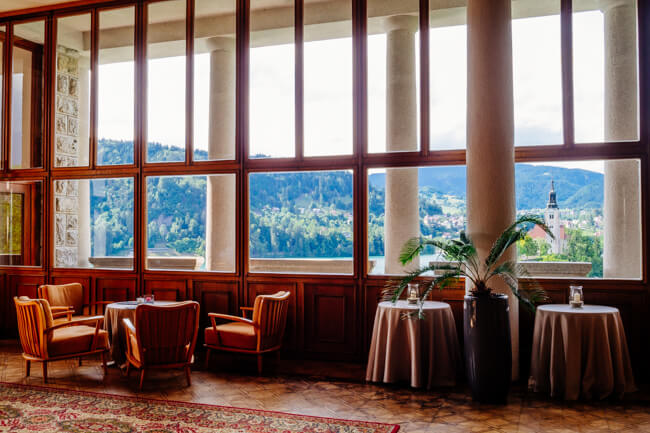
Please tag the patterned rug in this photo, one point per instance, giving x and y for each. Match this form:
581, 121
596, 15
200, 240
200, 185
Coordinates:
29, 408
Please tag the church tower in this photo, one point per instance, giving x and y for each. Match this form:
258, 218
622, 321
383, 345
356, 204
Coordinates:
552, 220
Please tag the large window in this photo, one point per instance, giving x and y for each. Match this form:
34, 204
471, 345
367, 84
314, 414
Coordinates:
301, 222
191, 222
93, 223
21, 222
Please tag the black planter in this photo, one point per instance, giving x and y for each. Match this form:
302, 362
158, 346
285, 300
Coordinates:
488, 349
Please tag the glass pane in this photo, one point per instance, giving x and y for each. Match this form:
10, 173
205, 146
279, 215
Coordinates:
301, 222
214, 80
605, 79
593, 210
272, 80
537, 68
191, 222
166, 81
408, 202
93, 223
115, 87
27, 84
71, 135
393, 77
328, 81
21, 223
448, 77
2, 39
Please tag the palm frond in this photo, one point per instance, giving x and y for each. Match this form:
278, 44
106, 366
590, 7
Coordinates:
394, 288
515, 232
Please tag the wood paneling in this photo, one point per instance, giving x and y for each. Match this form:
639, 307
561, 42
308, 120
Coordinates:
291, 344
17, 285
215, 297
330, 319
114, 289
167, 290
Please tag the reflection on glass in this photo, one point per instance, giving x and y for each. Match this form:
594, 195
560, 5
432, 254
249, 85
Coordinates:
328, 82
115, 87
166, 81
191, 222
537, 72
27, 85
409, 202
393, 78
93, 223
21, 222
214, 80
272, 82
605, 78
71, 134
301, 222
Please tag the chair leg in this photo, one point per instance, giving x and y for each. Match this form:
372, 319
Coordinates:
188, 376
128, 368
80, 361
141, 378
259, 364
28, 365
104, 364
207, 358
44, 371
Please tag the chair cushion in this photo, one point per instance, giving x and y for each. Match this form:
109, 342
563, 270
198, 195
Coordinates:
75, 339
235, 334
67, 295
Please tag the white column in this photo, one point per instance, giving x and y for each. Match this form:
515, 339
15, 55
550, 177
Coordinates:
221, 200
402, 220
622, 210
84, 236
490, 137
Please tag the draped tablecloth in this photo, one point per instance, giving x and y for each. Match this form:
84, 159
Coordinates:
423, 352
580, 352
113, 316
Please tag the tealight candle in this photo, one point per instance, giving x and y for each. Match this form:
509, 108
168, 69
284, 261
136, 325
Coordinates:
576, 297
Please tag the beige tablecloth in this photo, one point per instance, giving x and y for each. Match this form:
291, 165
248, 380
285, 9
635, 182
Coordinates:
580, 353
423, 352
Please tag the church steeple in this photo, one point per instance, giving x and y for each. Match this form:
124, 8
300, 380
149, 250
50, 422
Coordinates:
552, 199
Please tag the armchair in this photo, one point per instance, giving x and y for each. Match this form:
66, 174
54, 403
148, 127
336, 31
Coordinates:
66, 300
45, 341
256, 336
162, 337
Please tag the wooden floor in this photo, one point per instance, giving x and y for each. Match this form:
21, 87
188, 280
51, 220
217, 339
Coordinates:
304, 388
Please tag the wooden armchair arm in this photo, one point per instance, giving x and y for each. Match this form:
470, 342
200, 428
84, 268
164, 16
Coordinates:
60, 308
214, 316
63, 313
96, 320
245, 309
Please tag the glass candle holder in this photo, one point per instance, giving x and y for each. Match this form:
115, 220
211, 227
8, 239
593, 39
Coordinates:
413, 293
576, 298
149, 299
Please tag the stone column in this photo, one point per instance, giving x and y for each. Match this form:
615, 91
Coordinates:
221, 200
402, 220
490, 137
622, 211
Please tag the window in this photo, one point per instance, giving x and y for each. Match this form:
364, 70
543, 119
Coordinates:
166, 81
191, 222
301, 222
21, 222
410, 202
214, 80
272, 81
3, 36
93, 223
393, 78
116, 87
72, 137
27, 85
328, 110
593, 210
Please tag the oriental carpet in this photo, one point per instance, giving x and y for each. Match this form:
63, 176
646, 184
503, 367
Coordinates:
30, 408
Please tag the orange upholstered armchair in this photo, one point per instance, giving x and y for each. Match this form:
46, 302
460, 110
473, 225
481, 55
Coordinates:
261, 334
66, 300
163, 336
45, 341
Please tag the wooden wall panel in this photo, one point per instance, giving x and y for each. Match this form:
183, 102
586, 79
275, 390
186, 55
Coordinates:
330, 320
292, 343
167, 290
215, 297
115, 289
18, 285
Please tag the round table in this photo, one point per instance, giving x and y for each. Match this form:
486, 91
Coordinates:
424, 352
113, 315
580, 352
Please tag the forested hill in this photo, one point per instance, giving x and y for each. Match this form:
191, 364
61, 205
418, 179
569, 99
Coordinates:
576, 188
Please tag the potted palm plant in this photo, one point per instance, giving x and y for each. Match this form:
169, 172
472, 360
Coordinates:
488, 353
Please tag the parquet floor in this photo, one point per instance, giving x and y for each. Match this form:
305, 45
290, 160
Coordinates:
303, 388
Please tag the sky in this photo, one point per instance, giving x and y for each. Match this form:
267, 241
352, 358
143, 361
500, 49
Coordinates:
328, 92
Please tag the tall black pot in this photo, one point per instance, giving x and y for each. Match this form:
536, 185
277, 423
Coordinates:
488, 349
